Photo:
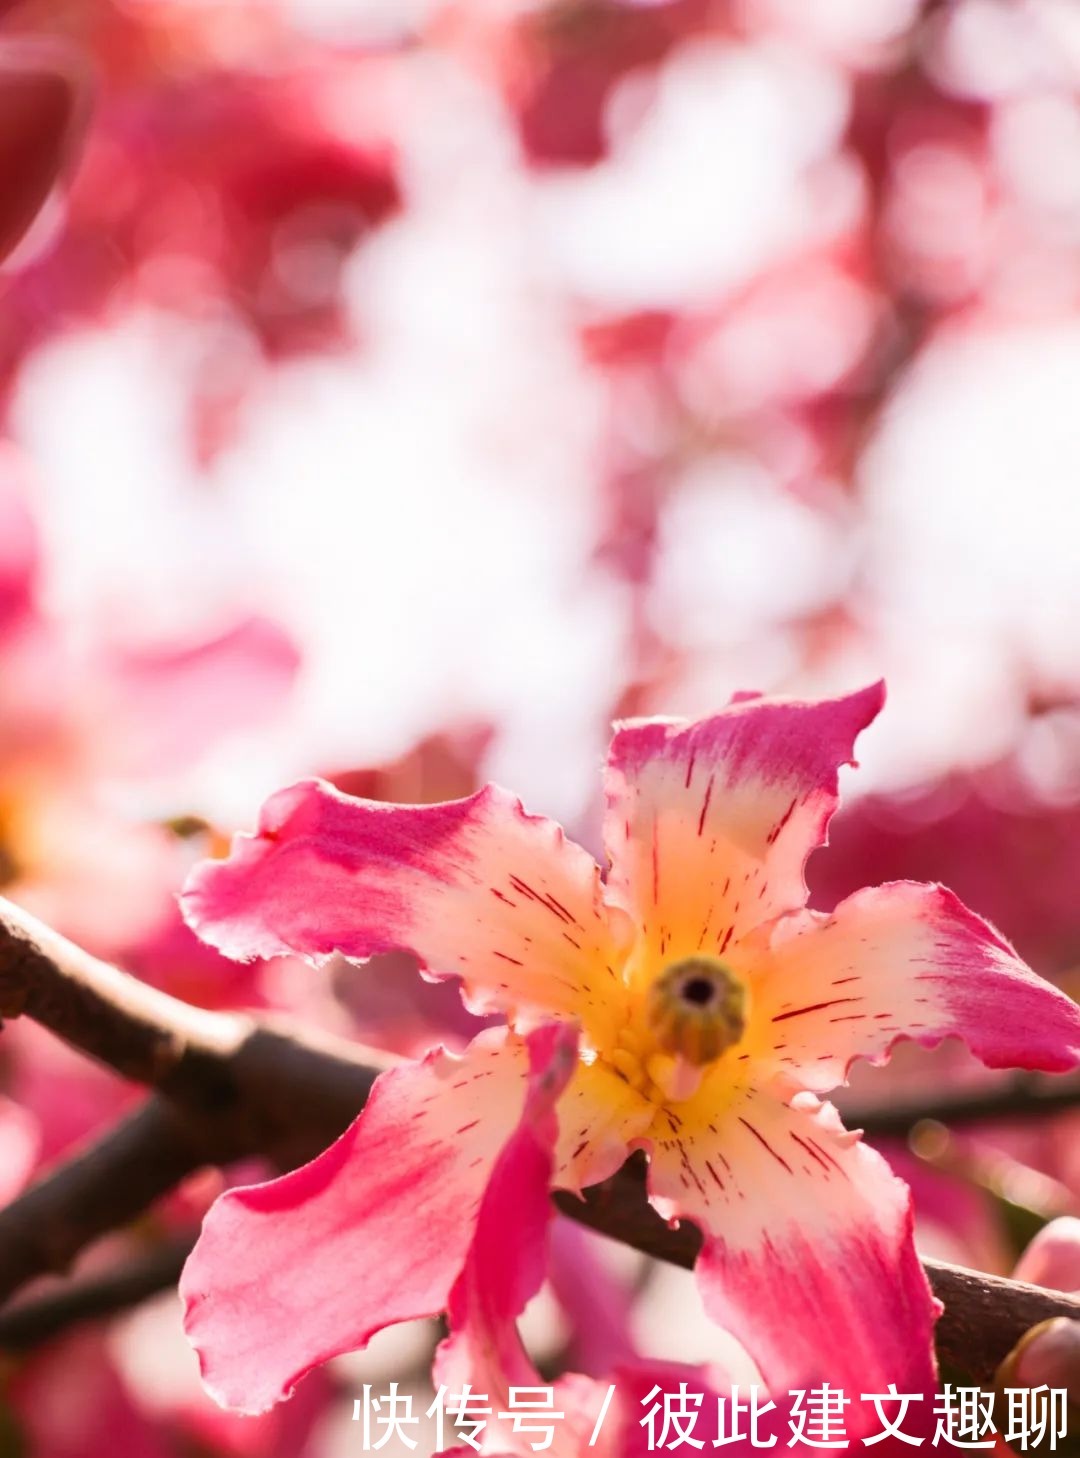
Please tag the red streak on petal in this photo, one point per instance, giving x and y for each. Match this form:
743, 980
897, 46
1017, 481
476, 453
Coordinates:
814, 1007
766, 1145
813, 1153
705, 805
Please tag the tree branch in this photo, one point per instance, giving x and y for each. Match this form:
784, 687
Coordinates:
245, 1085
31, 1322
1022, 1098
229, 1086
99, 1188
141, 1033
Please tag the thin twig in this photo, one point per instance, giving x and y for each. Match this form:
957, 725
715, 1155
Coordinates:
102, 1186
246, 1084
31, 1322
1022, 1099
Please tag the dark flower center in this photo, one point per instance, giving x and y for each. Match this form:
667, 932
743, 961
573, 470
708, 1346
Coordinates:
699, 991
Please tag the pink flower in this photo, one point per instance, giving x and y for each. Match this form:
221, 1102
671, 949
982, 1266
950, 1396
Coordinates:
713, 1009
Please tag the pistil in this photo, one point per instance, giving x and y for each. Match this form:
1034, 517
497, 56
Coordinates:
697, 1010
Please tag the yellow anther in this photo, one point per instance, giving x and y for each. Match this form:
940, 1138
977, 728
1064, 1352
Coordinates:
627, 1063
631, 1041
697, 1010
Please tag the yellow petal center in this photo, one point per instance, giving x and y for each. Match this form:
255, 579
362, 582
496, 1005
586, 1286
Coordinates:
691, 1014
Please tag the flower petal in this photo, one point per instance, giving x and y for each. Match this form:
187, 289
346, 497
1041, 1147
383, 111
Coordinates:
903, 961
505, 1267
596, 1302
808, 1257
288, 1274
1052, 1258
600, 1118
709, 824
472, 887
507, 1256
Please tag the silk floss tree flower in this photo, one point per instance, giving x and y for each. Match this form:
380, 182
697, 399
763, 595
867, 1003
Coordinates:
713, 1010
